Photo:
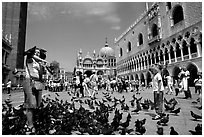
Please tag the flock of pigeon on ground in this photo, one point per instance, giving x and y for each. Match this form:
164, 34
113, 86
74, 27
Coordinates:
58, 117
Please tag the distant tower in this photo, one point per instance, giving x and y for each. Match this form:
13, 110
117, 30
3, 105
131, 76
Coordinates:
80, 58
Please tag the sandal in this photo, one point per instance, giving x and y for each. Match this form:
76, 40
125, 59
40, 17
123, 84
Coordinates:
29, 130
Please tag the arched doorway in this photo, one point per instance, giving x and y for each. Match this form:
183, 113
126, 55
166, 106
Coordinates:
88, 72
175, 72
131, 77
149, 78
142, 79
193, 73
165, 73
136, 76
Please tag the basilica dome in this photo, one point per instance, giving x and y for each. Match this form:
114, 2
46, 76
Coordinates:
106, 51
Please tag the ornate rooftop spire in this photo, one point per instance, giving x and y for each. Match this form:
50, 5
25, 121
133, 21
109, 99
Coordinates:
106, 45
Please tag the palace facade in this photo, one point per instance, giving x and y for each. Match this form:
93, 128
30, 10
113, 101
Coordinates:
167, 32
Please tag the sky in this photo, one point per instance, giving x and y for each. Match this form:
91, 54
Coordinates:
63, 28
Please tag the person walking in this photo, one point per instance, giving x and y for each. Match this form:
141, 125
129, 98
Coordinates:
184, 75
158, 89
9, 87
35, 65
169, 84
94, 80
86, 85
198, 84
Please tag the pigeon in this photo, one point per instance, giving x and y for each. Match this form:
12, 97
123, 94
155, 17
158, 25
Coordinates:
160, 130
173, 131
57, 94
126, 108
195, 116
198, 130
170, 106
176, 111
139, 125
132, 103
164, 120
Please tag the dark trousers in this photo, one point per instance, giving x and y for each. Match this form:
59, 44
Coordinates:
82, 90
8, 90
187, 93
158, 101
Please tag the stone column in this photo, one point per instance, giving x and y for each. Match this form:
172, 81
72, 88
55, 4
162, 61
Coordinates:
198, 45
169, 56
175, 54
181, 48
150, 59
155, 58
164, 57
189, 51
136, 64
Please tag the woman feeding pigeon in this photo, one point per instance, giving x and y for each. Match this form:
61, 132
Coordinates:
35, 65
158, 89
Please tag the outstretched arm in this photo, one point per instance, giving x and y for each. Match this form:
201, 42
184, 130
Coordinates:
39, 59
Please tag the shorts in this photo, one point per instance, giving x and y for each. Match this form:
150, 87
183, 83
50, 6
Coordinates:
32, 97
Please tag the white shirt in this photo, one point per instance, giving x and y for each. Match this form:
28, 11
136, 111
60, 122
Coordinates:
8, 84
169, 80
155, 81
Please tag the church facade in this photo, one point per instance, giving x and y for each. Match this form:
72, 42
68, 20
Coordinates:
103, 64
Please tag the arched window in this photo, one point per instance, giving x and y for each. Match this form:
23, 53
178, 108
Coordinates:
121, 52
140, 39
166, 54
172, 52
177, 14
193, 46
161, 56
185, 48
154, 30
178, 51
129, 46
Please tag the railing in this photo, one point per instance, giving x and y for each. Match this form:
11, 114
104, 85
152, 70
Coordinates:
179, 59
186, 57
194, 55
154, 39
173, 60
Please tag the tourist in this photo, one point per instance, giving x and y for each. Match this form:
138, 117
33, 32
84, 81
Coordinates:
184, 75
158, 89
198, 84
9, 87
169, 84
86, 85
94, 80
33, 83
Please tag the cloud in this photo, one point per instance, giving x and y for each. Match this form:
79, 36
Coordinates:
104, 11
112, 18
115, 27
